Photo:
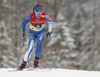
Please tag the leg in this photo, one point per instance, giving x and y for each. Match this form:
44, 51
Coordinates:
40, 39
31, 43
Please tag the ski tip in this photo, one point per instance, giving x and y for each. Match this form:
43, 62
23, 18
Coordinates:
14, 70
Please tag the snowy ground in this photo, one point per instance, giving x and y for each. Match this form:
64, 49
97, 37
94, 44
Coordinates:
48, 73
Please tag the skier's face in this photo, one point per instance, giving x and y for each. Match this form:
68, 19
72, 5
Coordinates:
38, 14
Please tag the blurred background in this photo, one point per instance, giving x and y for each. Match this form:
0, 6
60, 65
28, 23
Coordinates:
75, 41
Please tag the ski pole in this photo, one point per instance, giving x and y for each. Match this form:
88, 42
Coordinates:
51, 54
20, 52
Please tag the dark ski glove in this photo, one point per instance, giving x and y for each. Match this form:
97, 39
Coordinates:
23, 36
48, 35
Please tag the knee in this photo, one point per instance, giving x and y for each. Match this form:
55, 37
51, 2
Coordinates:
39, 44
31, 42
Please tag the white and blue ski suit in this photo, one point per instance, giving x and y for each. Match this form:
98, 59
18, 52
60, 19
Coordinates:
36, 32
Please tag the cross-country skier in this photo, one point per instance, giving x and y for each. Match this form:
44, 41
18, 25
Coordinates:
37, 18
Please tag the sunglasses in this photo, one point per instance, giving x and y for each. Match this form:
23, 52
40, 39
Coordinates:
38, 12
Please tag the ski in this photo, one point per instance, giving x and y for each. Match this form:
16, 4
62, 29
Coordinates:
14, 70
36, 69
29, 69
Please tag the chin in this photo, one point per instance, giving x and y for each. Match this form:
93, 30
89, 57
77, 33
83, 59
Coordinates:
38, 17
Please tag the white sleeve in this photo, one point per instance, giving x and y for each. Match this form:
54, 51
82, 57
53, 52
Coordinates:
50, 23
50, 26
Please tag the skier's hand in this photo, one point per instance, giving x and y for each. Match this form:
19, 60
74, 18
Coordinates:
48, 35
23, 36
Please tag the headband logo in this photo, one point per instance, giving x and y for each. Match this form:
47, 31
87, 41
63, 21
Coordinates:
39, 8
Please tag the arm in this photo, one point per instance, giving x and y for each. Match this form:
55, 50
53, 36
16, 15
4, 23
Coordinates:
27, 19
50, 23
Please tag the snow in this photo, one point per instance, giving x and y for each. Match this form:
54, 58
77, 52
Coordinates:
48, 73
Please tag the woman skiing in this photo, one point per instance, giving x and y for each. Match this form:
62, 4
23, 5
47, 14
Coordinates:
37, 18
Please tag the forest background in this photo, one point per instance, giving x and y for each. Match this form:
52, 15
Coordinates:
75, 40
